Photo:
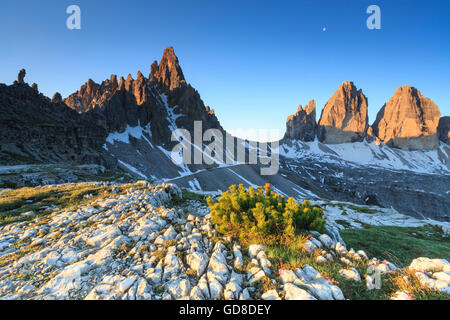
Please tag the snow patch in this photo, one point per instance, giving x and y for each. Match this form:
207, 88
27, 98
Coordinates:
132, 169
369, 154
136, 132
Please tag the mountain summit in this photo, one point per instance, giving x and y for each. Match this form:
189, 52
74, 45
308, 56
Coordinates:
408, 121
302, 124
344, 117
168, 73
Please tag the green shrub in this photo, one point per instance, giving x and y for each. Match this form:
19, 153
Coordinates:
263, 214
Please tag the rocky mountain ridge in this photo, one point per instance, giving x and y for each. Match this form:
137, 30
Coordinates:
407, 121
128, 124
144, 101
35, 129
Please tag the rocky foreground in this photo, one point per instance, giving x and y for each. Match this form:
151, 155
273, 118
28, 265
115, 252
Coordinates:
145, 243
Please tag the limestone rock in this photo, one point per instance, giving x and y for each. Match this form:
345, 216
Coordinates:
254, 249
443, 130
198, 261
430, 265
440, 281
92, 94
408, 121
350, 274
295, 293
302, 124
326, 241
57, 98
401, 295
270, 295
168, 73
320, 259
21, 76
344, 117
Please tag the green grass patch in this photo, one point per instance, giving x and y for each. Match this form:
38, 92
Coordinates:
291, 257
285, 257
343, 223
186, 195
361, 209
105, 176
399, 244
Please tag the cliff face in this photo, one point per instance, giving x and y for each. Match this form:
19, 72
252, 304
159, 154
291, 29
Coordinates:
408, 121
302, 125
35, 129
168, 73
91, 94
146, 101
344, 117
443, 129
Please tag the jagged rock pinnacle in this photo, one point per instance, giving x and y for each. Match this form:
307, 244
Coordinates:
21, 76
344, 117
302, 124
168, 73
444, 129
57, 98
408, 121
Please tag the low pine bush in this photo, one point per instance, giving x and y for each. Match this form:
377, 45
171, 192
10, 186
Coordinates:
263, 215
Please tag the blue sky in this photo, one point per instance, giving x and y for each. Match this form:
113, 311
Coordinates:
253, 61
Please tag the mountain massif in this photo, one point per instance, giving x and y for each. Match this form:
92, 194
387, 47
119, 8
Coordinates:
144, 101
137, 225
407, 121
399, 161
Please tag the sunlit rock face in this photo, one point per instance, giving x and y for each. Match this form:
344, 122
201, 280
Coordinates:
408, 121
344, 117
155, 102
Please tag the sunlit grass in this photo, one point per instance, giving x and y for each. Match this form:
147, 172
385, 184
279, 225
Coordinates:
399, 245
13, 203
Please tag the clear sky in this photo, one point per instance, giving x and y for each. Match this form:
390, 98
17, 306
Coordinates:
253, 61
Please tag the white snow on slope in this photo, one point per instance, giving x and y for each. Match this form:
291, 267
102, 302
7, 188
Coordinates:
132, 169
195, 185
177, 161
379, 216
304, 194
243, 179
136, 132
370, 154
171, 116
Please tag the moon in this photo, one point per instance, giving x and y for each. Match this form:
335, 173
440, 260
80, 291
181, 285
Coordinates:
324, 29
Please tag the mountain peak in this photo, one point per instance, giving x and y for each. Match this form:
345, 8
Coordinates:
408, 120
302, 124
169, 53
344, 117
347, 84
168, 73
